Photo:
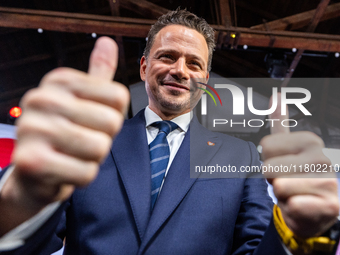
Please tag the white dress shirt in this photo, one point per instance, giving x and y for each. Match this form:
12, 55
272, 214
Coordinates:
175, 138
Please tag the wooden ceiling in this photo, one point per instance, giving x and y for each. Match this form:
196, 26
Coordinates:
312, 27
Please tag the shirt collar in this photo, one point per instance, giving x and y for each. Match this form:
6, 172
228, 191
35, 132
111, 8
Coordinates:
182, 121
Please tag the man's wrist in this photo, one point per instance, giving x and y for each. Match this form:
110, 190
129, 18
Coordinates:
322, 245
16, 237
17, 205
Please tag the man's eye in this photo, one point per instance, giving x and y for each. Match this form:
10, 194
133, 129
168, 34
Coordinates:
168, 56
195, 63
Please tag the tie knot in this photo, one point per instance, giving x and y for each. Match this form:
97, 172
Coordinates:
165, 126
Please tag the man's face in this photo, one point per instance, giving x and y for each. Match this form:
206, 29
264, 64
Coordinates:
178, 54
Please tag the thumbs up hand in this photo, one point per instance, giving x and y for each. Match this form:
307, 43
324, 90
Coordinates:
308, 199
64, 133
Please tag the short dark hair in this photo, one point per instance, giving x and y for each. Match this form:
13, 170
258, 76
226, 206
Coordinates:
187, 19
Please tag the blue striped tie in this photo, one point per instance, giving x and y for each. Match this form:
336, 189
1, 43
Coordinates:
159, 156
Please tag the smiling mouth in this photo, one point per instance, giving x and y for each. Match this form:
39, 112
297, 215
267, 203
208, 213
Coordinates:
175, 85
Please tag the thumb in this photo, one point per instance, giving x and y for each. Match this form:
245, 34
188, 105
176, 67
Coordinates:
276, 125
104, 59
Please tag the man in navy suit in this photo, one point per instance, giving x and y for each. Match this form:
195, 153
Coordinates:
65, 134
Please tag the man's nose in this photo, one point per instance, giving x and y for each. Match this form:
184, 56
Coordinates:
180, 69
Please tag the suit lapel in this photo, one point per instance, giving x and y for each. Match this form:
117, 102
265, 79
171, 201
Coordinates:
178, 181
131, 155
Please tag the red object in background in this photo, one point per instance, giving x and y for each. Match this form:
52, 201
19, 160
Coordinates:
15, 112
6, 148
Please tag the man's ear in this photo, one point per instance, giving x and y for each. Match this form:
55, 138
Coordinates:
207, 78
142, 68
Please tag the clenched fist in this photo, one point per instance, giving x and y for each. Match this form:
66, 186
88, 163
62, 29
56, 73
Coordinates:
64, 133
308, 201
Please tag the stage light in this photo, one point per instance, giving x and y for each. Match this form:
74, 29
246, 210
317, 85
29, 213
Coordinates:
15, 112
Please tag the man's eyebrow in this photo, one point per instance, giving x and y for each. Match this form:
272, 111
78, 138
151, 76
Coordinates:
161, 51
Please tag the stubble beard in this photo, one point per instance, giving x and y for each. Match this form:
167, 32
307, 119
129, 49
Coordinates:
172, 104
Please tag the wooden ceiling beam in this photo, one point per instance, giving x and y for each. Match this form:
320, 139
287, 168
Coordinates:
224, 13
120, 26
73, 22
299, 20
320, 10
307, 41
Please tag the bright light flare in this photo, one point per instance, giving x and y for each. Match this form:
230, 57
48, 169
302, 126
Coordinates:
15, 112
